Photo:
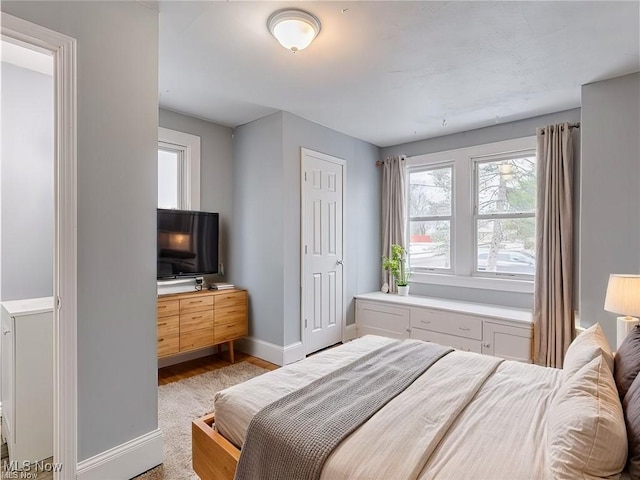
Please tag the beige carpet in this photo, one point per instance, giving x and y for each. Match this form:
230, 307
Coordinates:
181, 402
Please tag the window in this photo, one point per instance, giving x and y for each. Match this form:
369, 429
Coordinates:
471, 216
504, 214
430, 215
178, 170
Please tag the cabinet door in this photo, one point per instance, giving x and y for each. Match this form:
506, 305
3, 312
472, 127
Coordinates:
508, 342
378, 319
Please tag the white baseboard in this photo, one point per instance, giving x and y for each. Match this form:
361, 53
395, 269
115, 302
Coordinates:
185, 357
269, 351
124, 461
292, 353
349, 333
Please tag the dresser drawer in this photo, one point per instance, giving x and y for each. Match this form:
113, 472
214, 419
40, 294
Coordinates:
168, 344
459, 343
196, 304
167, 308
229, 331
447, 322
196, 321
237, 314
231, 299
168, 325
196, 339
382, 317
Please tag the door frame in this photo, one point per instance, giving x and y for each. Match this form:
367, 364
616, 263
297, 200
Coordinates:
304, 152
63, 51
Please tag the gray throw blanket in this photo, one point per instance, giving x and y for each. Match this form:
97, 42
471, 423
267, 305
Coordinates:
291, 438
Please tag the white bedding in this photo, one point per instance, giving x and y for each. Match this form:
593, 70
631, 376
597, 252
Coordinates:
469, 416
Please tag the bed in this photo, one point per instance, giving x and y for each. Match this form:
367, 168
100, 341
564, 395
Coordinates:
467, 416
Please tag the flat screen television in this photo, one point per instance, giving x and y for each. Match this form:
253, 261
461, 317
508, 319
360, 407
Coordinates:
187, 243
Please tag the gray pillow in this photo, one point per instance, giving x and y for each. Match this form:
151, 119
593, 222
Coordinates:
631, 407
627, 362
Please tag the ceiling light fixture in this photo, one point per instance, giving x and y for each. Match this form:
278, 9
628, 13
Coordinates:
294, 29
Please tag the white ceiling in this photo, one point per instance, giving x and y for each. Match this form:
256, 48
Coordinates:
393, 72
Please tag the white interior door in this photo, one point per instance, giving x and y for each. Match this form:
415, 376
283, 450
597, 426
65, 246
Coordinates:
322, 250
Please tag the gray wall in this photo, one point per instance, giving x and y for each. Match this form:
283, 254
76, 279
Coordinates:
258, 253
117, 194
610, 222
216, 170
266, 233
27, 184
496, 133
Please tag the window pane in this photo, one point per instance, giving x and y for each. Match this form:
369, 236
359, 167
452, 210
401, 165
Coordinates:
167, 179
430, 244
507, 186
506, 246
430, 193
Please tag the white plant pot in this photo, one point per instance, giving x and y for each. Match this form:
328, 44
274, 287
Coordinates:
403, 291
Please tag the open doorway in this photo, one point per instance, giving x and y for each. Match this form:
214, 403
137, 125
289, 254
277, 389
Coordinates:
38, 246
26, 258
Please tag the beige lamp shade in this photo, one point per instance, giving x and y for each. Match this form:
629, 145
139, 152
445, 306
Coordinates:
623, 295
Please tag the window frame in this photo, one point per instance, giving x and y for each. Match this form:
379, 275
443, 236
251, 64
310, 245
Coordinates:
495, 216
188, 148
463, 202
451, 217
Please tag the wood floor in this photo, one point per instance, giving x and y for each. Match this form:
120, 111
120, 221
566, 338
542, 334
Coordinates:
206, 364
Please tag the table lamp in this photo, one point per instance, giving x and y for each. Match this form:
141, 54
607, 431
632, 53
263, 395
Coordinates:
623, 297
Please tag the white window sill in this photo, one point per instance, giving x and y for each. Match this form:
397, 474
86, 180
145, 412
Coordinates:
486, 283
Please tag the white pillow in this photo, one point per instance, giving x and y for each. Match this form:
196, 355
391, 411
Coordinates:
585, 347
586, 433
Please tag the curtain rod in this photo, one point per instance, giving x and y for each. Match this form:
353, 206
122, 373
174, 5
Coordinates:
571, 125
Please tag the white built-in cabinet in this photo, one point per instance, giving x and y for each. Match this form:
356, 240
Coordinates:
473, 327
27, 378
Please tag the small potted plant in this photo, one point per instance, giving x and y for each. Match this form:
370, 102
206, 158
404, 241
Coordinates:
397, 267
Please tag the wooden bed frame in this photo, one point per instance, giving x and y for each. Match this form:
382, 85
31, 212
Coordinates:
214, 457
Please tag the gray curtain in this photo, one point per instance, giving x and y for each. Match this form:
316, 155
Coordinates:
393, 208
553, 296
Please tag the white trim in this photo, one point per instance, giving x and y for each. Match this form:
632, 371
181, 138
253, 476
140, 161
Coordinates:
190, 146
338, 161
269, 351
292, 353
126, 460
349, 333
27, 58
63, 49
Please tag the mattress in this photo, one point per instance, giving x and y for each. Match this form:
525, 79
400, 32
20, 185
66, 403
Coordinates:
468, 416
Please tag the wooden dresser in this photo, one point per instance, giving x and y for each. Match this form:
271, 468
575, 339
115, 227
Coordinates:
193, 320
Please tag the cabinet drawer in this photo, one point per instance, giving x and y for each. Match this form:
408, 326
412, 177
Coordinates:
167, 308
459, 343
237, 314
196, 339
450, 323
231, 299
382, 317
229, 331
168, 325
196, 304
196, 321
168, 344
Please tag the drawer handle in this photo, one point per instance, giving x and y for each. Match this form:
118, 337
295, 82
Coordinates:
425, 321
195, 318
464, 329
195, 301
161, 340
162, 306
162, 324
6, 332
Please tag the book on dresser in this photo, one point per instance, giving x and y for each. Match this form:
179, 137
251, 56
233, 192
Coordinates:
221, 286
195, 320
